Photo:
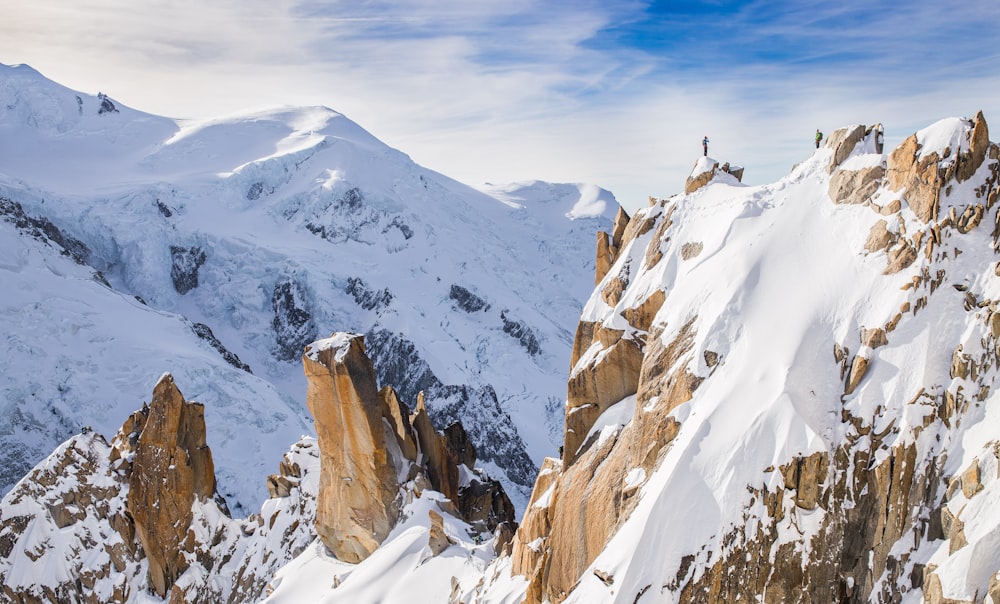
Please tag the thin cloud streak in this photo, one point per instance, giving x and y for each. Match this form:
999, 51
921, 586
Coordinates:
614, 93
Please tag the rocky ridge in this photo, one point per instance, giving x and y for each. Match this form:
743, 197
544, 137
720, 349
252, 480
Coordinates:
874, 506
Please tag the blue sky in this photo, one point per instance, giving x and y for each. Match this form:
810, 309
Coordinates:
617, 93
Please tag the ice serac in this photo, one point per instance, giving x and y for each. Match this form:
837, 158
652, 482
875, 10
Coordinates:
358, 484
171, 467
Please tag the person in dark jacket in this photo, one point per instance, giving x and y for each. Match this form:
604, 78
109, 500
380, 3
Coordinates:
704, 145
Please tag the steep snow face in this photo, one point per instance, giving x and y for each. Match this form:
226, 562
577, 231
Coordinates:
831, 374
261, 233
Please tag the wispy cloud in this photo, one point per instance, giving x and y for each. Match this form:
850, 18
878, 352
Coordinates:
618, 93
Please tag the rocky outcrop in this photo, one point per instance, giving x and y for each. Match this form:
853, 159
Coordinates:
842, 142
855, 186
184, 265
438, 540
707, 170
398, 363
921, 174
171, 467
358, 500
138, 507
598, 382
609, 245
358, 485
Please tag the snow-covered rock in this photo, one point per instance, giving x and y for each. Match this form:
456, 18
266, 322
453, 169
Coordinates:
813, 415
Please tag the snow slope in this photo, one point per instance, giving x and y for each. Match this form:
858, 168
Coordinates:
273, 229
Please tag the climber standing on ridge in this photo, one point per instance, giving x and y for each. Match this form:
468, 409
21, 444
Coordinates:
819, 137
704, 145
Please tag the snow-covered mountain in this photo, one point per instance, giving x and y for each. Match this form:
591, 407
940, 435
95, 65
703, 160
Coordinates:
134, 244
778, 393
787, 393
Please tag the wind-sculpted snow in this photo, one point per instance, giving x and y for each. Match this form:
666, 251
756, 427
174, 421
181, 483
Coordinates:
272, 229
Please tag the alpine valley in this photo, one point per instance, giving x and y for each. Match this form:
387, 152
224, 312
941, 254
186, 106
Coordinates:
775, 393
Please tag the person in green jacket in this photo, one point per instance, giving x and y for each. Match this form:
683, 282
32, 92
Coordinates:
819, 137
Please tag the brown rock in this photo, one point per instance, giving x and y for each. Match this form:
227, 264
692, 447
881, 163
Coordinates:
900, 257
843, 141
503, 538
956, 536
971, 480
457, 440
919, 178
994, 588
858, 369
594, 388
484, 504
172, 465
873, 338
356, 504
536, 523
641, 317
438, 540
440, 461
657, 378
691, 250
879, 237
805, 476
398, 417
855, 186
603, 257
654, 252
979, 142
692, 184
618, 232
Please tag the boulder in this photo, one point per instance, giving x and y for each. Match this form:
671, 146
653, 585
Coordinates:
437, 540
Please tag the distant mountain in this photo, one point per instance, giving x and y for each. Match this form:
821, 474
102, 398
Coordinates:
132, 245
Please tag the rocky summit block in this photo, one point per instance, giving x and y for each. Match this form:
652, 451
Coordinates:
358, 484
171, 449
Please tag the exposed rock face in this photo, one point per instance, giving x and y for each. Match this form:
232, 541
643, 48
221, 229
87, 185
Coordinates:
855, 186
921, 176
170, 447
702, 178
358, 484
599, 384
608, 246
843, 141
185, 262
358, 427
438, 539
292, 322
398, 362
